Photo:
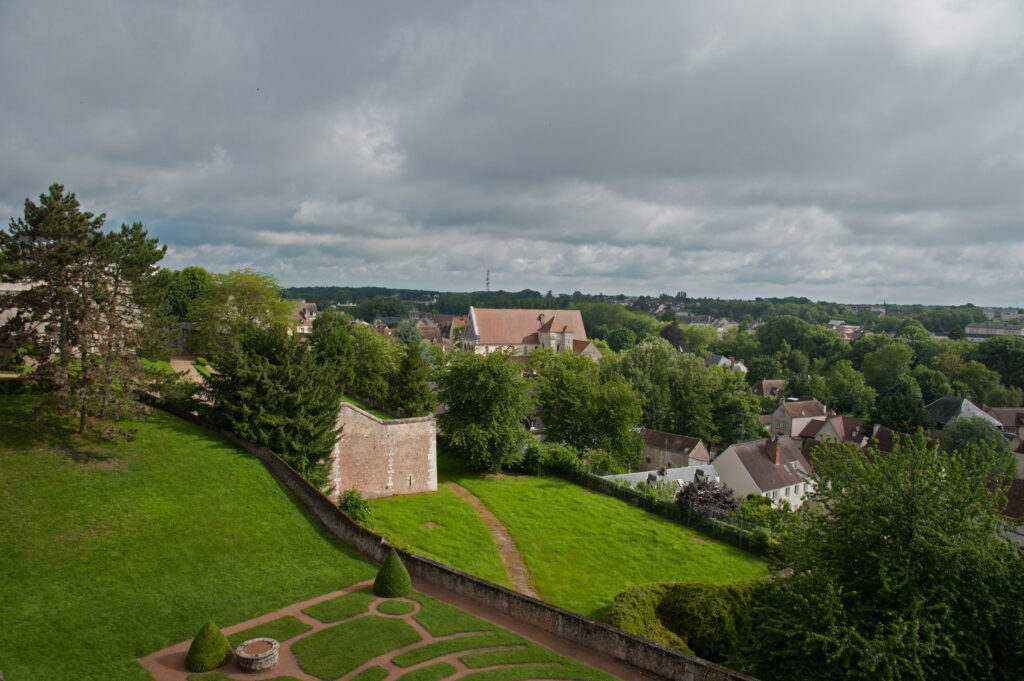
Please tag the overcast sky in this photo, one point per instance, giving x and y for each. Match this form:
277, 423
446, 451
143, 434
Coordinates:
849, 151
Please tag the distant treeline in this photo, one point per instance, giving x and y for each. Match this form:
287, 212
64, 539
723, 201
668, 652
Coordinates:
938, 319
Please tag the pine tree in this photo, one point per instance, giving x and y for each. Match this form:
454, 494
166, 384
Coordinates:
77, 315
410, 393
270, 390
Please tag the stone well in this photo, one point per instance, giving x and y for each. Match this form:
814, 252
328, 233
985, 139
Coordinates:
257, 654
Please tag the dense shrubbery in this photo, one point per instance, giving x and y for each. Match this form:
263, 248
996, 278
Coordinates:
209, 650
393, 579
708, 617
636, 610
351, 502
703, 619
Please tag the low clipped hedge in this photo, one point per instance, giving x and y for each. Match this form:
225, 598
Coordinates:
701, 619
209, 650
393, 579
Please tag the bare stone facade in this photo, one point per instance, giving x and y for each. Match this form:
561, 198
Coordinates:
383, 458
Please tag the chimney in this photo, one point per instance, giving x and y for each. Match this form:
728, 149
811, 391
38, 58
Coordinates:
772, 449
732, 364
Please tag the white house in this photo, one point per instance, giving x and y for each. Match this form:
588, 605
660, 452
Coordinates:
773, 468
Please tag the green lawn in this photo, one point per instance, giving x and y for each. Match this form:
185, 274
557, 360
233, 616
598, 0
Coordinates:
367, 408
344, 647
281, 629
110, 551
583, 547
441, 526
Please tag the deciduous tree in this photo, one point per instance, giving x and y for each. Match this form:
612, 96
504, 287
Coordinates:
898, 571
587, 409
486, 406
236, 300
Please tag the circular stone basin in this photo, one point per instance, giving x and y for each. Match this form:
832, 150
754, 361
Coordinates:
257, 654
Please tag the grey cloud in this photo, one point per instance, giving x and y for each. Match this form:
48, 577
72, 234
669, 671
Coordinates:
826, 149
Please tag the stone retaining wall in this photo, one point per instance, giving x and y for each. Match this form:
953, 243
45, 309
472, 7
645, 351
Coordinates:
658, 660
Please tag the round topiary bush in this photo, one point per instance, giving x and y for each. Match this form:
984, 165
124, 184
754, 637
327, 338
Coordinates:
393, 579
708, 617
209, 649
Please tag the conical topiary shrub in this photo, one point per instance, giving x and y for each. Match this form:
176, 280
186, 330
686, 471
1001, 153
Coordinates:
393, 579
209, 650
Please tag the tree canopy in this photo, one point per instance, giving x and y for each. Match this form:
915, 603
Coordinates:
486, 406
270, 389
588, 409
899, 571
236, 299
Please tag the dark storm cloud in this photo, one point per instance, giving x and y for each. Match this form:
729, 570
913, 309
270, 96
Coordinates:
835, 150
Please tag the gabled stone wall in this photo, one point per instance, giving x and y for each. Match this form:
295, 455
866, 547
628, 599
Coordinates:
383, 458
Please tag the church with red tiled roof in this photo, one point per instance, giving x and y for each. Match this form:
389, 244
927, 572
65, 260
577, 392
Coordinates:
490, 329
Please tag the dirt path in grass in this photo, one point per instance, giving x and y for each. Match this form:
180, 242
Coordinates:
515, 566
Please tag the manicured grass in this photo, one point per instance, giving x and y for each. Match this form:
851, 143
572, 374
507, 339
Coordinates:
583, 547
434, 672
493, 658
367, 408
441, 526
329, 653
218, 676
371, 674
281, 629
112, 550
441, 619
456, 645
571, 670
342, 607
396, 607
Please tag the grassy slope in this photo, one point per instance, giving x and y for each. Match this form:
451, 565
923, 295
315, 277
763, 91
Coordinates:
583, 548
108, 560
462, 540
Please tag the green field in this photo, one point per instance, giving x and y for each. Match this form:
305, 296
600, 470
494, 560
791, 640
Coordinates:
441, 526
110, 551
582, 547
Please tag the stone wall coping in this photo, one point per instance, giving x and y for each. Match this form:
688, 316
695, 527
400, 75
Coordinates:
386, 422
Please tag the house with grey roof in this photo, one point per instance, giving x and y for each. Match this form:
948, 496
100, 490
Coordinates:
730, 363
669, 450
679, 476
945, 409
773, 468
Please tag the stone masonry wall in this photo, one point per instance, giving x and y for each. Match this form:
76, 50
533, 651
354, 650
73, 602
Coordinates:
382, 458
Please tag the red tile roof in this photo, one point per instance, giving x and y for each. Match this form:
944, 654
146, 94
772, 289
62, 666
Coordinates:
520, 327
669, 441
804, 409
